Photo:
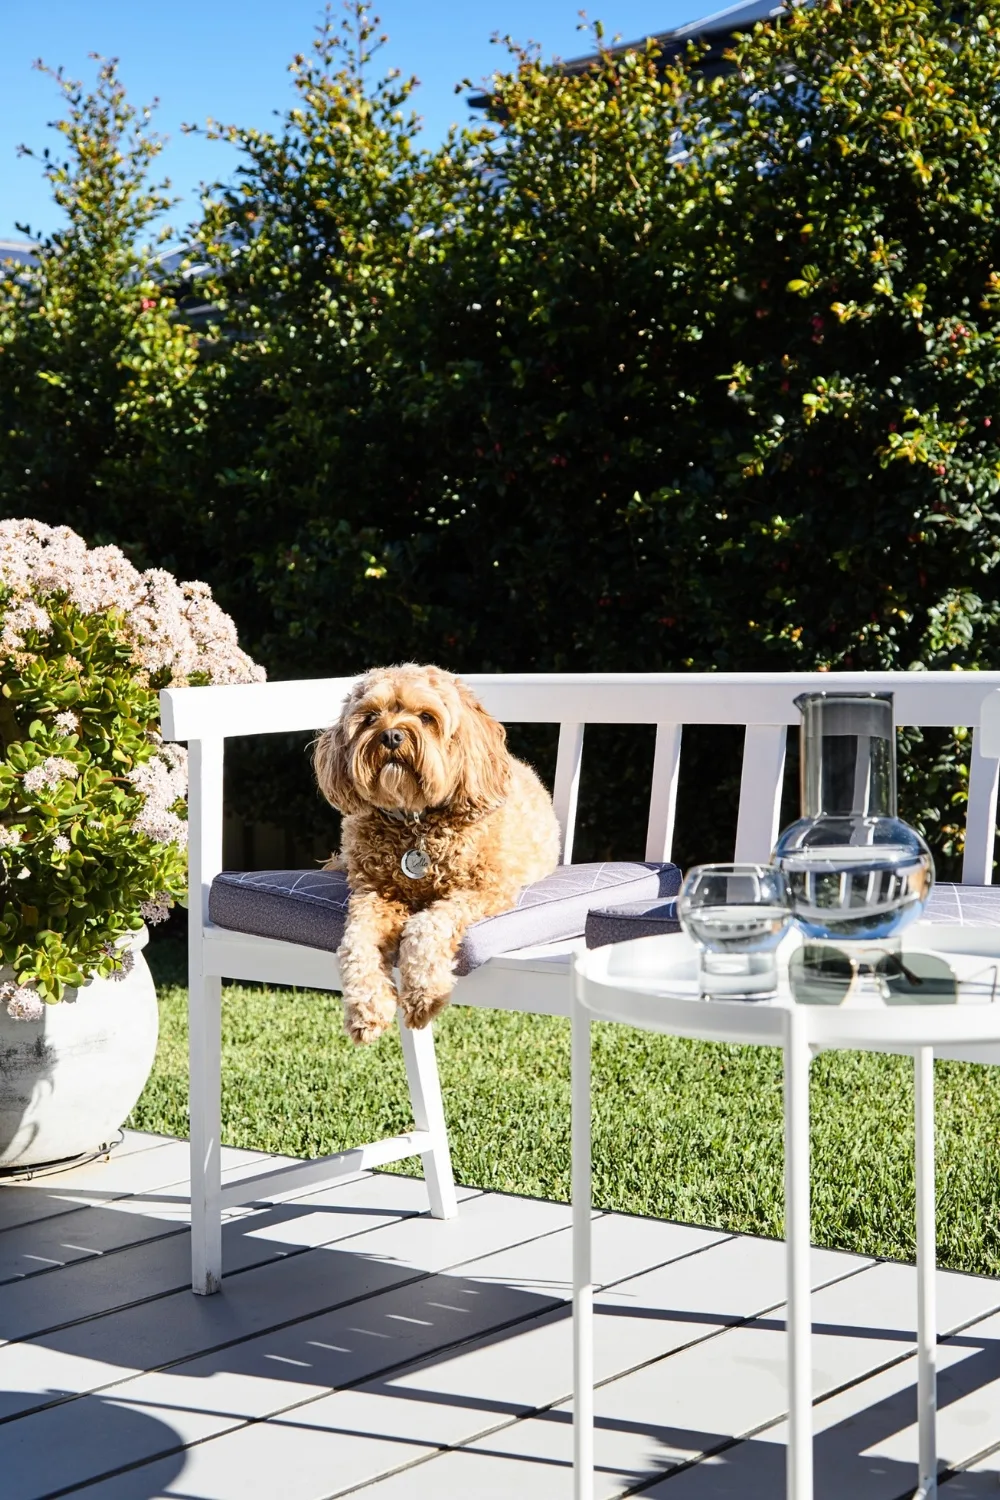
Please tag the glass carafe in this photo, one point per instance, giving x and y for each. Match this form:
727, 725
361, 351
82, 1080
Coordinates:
855, 870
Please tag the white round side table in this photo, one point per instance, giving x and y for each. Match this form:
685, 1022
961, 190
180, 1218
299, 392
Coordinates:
651, 983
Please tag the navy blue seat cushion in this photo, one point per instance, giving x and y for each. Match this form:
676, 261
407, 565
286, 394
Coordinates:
635, 919
310, 906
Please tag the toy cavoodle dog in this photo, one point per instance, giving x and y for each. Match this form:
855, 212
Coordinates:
442, 827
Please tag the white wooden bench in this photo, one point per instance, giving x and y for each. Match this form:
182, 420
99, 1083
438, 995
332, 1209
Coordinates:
531, 979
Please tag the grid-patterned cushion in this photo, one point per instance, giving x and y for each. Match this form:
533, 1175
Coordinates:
297, 906
964, 905
310, 906
557, 907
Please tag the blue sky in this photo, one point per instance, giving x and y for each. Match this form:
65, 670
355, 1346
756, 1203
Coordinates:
228, 59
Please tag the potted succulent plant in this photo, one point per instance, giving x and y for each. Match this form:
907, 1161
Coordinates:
92, 824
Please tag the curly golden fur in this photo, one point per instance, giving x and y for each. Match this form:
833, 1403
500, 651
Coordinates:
416, 761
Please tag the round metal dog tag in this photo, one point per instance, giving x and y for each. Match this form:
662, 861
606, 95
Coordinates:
415, 864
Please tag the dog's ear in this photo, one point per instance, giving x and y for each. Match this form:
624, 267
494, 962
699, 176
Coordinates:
484, 760
330, 762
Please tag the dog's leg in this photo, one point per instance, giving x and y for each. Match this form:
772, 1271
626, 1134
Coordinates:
427, 951
365, 956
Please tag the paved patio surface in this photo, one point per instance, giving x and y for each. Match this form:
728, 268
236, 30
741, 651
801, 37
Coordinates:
360, 1346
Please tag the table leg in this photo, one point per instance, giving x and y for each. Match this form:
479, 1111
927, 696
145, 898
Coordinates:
799, 1473
583, 1290
926, 1273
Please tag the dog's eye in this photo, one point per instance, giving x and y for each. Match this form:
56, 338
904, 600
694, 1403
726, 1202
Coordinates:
369, 719
427, 719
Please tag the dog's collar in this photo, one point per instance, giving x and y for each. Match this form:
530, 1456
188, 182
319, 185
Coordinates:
397, 815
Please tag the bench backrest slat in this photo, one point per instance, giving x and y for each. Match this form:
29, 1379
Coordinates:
763, 777
566, 787
663, 791
981, 815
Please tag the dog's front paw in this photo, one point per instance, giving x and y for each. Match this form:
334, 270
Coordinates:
419, 1008
365, 1019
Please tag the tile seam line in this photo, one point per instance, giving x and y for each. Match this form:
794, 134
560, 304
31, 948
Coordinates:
442, 1449
956, 1470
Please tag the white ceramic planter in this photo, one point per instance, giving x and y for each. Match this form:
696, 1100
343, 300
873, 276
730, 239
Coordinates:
68, 1080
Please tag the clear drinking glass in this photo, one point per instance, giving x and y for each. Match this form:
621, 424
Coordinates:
736, 915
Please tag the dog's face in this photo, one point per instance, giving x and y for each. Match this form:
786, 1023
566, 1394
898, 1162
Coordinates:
411, 738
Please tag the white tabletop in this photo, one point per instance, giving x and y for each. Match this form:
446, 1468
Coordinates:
652, 983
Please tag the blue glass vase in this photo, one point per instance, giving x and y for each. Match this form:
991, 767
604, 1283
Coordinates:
855, 870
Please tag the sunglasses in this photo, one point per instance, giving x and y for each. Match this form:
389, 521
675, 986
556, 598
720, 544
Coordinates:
819, 974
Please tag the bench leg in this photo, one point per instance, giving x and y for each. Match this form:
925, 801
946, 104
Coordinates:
428, 1114
205, 1048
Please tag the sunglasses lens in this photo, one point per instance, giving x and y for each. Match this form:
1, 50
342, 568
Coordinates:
819, 976
917, 979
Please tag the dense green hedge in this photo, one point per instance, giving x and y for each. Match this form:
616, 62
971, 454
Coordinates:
653, 372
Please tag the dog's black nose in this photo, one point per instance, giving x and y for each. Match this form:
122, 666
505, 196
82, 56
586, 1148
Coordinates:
391, 738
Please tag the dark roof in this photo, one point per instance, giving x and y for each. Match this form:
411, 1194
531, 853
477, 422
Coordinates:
716, 31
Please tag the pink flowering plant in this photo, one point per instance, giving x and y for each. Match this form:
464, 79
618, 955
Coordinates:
93, 825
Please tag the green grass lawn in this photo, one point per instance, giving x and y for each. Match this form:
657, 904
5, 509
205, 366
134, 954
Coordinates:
682, 1130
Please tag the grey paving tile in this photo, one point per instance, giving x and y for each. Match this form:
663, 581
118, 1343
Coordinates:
465, 1472
99, 1181
266, 1373
39, 1248
453, 1372
248, 1383
182, 1326
885, 1300
95, 1433
294, 1458
621, 1246
491, 1220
